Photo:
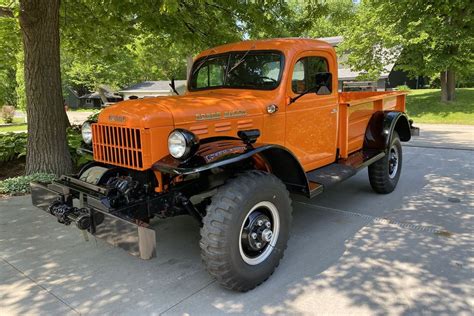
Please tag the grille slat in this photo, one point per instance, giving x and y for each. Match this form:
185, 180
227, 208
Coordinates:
118, 145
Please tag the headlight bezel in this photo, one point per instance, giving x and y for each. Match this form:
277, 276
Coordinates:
86, 125
191, 143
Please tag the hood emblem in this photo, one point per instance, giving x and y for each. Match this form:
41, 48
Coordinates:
218, 115
117, 118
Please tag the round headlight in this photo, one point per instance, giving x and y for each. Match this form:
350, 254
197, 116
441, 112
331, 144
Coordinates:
86, 131
182, 144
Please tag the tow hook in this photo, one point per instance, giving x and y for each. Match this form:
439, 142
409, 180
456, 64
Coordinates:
67, 214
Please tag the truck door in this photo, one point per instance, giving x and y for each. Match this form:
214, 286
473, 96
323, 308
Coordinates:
311, 122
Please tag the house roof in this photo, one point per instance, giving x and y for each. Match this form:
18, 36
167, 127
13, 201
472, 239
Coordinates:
333, 40
95, 95
153, 86
348, 74
344, 71
108, 91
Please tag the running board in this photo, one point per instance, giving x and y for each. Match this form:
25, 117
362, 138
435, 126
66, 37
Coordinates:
341, 170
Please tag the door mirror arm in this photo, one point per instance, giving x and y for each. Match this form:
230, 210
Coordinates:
322, 86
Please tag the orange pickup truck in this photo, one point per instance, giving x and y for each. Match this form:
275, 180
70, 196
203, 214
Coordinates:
260, 119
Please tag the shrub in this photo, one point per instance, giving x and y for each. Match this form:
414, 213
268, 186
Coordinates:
8, 113
21, 185
74, 139
12, 146
94, 117
403, 88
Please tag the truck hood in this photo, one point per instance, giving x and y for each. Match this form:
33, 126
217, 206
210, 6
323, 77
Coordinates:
180, 110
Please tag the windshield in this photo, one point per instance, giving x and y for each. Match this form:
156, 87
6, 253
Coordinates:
239, 70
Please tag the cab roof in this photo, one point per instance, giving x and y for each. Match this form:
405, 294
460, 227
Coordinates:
287, 45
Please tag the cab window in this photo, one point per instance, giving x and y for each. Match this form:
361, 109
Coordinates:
304, 72
212, 73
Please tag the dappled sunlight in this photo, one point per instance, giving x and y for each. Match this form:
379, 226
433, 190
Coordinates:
351, 252
92, 276
452, 136
381, 272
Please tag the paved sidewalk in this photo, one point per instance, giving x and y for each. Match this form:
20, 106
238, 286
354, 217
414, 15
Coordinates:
351, 252
78, 117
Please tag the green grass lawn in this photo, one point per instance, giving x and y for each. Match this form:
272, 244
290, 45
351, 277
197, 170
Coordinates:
425, 106
14, 128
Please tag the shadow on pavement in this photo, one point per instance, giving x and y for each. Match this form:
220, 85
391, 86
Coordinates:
338, 262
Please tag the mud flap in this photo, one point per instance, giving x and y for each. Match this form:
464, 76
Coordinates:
120, 231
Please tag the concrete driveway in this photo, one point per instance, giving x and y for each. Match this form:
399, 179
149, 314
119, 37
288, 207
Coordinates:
351, 252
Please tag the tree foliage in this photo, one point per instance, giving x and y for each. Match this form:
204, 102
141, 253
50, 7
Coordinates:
9, 45
118, 43
432, 37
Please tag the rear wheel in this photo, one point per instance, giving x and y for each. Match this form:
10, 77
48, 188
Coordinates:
246, 230
385, 173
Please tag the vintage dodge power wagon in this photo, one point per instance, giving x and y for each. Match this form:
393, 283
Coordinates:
260, 120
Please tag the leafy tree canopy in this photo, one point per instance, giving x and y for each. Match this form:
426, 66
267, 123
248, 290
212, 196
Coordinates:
118, 42
9, 45
430, 36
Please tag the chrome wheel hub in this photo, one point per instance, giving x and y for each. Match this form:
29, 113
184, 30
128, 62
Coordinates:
267, 235
393, 162
259, 233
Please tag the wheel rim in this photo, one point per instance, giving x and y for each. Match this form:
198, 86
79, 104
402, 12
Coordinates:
393, 161
259, 233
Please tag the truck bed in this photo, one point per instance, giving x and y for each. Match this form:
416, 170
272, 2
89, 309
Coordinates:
355, 111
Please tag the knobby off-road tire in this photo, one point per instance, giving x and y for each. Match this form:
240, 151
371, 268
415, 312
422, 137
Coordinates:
252, 208
385, 173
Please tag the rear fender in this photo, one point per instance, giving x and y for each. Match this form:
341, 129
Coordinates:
381, 127
226, 152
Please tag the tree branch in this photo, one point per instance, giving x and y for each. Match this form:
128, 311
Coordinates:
6, 12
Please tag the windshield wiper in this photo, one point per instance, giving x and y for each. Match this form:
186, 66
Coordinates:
240, 61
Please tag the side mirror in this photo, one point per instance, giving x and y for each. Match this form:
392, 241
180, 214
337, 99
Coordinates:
323, 83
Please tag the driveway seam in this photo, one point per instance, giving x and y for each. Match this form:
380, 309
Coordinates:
42, 287
185, 298
375, 219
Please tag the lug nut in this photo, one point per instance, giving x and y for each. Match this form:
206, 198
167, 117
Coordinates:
253, 235
260, 222
258, 245
268, 224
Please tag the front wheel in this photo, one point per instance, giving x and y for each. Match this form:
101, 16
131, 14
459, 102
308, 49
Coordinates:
246, 230
385, 173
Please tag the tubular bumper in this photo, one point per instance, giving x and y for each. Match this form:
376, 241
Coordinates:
117, 229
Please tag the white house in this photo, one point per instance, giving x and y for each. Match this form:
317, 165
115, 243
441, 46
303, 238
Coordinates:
348, 77
148, 89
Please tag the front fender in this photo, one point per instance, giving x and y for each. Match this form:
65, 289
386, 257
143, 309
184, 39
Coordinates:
281, 162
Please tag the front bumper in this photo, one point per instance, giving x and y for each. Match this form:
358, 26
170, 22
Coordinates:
117, 229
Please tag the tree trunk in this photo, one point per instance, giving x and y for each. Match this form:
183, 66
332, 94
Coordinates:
444, 86
448, 85
47, 149
451, 84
